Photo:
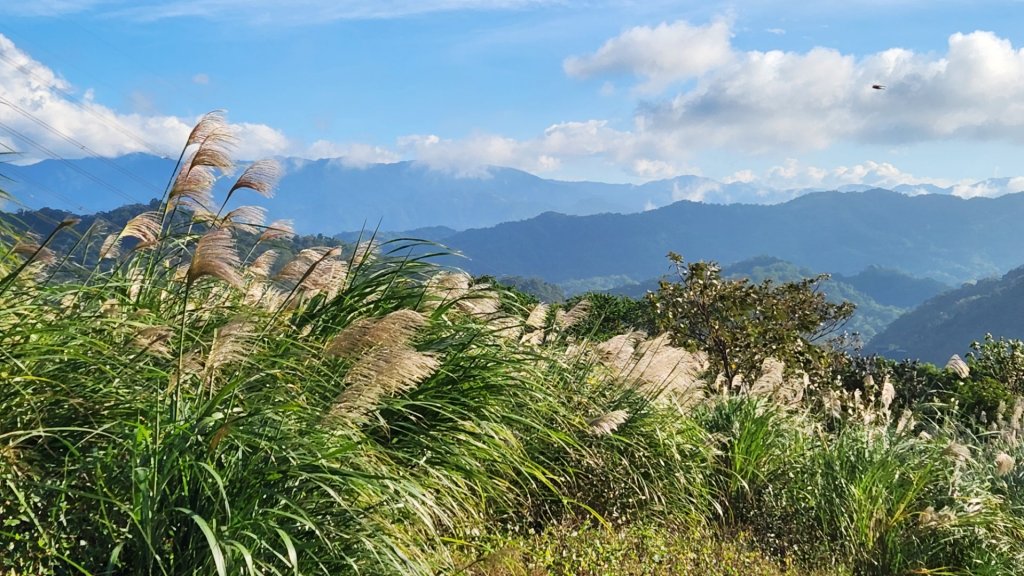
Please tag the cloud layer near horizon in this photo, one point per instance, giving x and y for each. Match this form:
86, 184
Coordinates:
696, 92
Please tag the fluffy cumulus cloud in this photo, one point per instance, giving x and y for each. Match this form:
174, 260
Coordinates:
42, 115
760, 101
660, 55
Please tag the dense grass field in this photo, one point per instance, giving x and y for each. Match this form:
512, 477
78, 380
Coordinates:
190, 405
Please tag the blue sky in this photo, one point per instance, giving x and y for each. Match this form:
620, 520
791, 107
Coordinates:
775, 93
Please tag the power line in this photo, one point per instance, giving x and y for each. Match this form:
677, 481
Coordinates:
74, 100
72, 141
70, 164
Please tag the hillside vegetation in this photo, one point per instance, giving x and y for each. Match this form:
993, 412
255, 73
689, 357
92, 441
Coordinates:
182, 406
944, 325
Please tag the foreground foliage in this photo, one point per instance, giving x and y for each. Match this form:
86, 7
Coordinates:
181, 406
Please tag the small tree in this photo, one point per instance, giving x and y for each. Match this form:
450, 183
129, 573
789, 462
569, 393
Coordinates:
740, 324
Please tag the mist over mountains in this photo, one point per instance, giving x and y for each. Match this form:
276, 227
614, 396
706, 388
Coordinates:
331, 196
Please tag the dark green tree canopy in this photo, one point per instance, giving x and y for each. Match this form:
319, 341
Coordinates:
740, 324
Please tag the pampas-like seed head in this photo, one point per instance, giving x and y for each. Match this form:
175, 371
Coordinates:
229, 345
215, 150
145, 228
153, 340
207, 124
1004, 464
577, 314
396, 328
537, 316
33, 251
384, 372
260, 177
316, 270
888, 394
245, 218
957, 366
215, 256
263, 264
192, 188
607, 423
277, 229
111, 247
957, 451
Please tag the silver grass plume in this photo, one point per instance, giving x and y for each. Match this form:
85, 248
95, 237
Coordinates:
537, 316
507, 327
277, 229
154, 340
1018, 414
210, 122
263, 264
578, 313
398, 327
1004, 464
957, 366
245, 218
957, 451
192, 188
145, 228
230, 343
260, 177
607, 423
383, 372
315, 270
617, 351
215, 150
535, 338
888, 394
364, 252
32, 251
906, 422
673, 373
215, 256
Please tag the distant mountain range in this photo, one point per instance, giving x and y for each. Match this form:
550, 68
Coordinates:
946, 238
331, 196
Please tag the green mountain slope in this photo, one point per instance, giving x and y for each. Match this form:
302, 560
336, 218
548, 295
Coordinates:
948, 323
943, 237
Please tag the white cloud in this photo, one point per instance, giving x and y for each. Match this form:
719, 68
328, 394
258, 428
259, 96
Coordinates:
661, 55
976, 190
201, 79
355, 155
760, 101
697, 191
47, 115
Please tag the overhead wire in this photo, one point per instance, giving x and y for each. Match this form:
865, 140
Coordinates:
153, 187
68, 163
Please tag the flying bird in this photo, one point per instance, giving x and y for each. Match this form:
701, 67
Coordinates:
878, 86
